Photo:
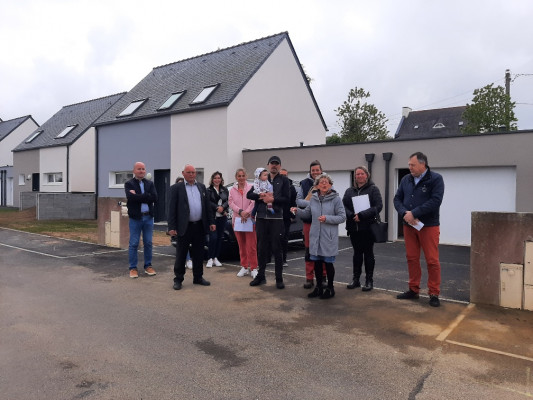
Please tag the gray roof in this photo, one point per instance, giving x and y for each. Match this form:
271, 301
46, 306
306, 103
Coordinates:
421, 124
83, 115
230, 68
6, 127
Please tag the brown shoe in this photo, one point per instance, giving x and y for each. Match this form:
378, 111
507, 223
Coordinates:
134, 273
149, 271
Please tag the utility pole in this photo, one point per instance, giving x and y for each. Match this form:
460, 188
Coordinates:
508, 93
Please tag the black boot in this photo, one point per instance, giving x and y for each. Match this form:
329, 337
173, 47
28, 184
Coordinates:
369, 285
328, 293
316, 293
354, 284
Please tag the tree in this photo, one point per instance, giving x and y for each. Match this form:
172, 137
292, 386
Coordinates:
359, 122
491, 109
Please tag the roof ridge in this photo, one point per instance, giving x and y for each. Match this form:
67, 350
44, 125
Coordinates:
220, 50
98, 98
442, 108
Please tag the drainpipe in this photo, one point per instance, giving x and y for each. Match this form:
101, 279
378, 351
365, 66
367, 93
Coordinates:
387, 157
96, 173
369, 159
68, 168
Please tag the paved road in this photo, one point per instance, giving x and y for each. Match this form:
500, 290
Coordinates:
74, 326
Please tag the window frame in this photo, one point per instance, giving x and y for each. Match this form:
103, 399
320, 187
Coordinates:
54, 182
204, 94
66, 131
133, 107
113, 179
171, 102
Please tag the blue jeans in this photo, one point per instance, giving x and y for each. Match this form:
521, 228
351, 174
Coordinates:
146, 226
215, 238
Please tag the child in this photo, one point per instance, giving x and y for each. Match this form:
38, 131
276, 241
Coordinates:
262, 185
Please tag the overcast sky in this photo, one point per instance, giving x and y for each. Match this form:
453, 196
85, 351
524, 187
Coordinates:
422, 54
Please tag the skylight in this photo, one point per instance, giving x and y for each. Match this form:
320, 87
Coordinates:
174, 97
33, 136
134, 105
438, 125
65, 131
204, 94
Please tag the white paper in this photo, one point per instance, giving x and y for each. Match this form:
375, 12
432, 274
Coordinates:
419, 225
240, 226
360, 203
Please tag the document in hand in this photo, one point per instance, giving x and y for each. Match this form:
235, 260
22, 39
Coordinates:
419, 225
360, 203
241, 226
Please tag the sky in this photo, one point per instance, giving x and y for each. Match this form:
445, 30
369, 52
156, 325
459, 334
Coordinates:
420, 54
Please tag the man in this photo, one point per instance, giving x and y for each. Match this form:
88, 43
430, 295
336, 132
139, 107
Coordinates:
418, 201
269, 225
302, 201
190, 218
287, 216
141, 196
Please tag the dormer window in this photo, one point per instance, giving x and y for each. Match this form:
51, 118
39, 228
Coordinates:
33, 136
438, 125
416, 126
174, 97
65, 131
460, 123
134, 106
204, 94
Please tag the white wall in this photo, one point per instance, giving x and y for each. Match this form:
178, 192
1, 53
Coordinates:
82, 163
199, 138
274, 109
53, 160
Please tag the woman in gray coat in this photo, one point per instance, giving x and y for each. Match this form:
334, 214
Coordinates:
327, 212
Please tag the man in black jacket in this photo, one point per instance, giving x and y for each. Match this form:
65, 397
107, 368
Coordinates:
288, 216
190, 218
269, 226
141, 196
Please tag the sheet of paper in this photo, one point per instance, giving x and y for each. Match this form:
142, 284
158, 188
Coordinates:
360, 203
240, 226
419, 225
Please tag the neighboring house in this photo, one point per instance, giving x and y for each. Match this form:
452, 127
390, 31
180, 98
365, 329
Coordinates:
59, 156
11, 133
204, 111
425, 124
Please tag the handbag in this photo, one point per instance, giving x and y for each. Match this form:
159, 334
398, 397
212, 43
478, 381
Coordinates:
379, 230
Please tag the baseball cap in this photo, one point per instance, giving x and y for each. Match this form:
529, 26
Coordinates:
274, 159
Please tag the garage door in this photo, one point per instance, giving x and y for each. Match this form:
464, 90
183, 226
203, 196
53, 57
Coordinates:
473, 189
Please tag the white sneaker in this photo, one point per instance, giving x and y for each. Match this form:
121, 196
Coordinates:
217, 263
189, 264
242, 272
254, 273
209, 263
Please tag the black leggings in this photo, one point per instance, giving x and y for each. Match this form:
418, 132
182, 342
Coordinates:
330, 272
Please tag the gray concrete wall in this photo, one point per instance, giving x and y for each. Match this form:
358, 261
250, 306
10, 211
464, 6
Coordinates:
66, 206
496, 238
27, 200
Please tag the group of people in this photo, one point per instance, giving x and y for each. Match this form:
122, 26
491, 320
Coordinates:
261, 217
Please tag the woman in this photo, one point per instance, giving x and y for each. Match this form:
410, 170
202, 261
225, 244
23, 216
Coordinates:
358, 226
218, 199
242, 208
327, 212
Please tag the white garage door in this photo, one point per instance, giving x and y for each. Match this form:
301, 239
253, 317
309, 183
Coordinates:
473, 189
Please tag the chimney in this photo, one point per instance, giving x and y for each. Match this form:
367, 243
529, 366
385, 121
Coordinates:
406, 111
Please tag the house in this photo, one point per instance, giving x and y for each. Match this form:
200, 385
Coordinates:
435, 123
11, 133
204, 111
59, 157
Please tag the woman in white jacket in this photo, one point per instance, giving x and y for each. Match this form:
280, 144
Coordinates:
327, 212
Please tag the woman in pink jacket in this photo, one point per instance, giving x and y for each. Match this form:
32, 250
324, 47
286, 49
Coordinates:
242, 208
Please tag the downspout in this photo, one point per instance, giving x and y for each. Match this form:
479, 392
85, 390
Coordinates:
96, 173
387, 157
68, 168
369, 159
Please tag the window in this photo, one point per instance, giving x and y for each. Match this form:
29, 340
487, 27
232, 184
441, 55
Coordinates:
204, 94
66, 131
33, 136
461, 123
54, 177
118, 178
438, 125
416, 126
134, 105
22, 179
174, 97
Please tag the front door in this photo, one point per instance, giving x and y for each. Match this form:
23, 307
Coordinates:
35, 182
162, 185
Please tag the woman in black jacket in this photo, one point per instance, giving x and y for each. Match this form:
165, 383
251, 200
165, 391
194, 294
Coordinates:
358, 225
218, 200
